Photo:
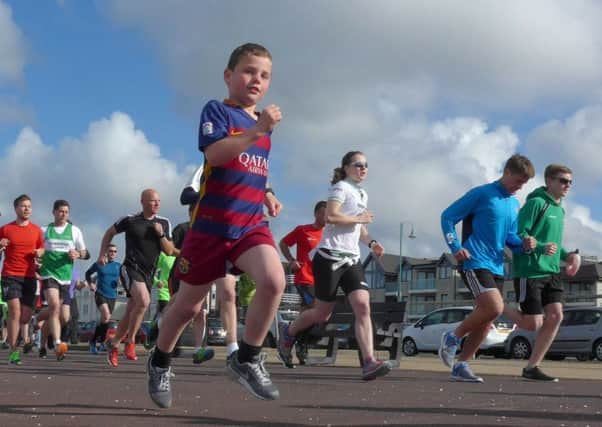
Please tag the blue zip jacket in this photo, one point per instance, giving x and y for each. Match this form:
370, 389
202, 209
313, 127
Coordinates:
494, 214
107, 278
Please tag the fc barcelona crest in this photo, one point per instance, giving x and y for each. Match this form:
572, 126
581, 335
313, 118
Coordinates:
183, 265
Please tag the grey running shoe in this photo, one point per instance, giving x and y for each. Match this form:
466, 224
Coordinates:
376, 369
285, 347
462, 372
448, 349
302, 351
158, 386
537, 374
202, 355
253, 376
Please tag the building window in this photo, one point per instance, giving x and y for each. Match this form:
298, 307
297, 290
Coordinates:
423, 275
444, 272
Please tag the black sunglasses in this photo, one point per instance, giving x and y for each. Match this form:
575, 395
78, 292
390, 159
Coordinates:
360, 164
564, 181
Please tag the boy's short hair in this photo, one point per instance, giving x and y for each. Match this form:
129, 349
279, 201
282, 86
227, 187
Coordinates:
520, 165
554, 169
321, 204
247, 49
21, 198
59, 204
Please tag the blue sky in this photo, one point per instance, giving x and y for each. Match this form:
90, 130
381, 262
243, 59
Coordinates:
82, 67
102, 100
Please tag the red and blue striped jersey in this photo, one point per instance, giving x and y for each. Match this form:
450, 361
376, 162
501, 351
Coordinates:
231, 195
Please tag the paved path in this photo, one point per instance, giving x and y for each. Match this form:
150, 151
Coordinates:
83, 391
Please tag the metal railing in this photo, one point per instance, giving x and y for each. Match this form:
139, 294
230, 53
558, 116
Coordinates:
423, 285
421, 308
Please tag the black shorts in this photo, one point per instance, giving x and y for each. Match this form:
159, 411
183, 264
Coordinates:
307, 294
480, 280
161, 304
349, 277
129, 274
174, 285
534, 294
23, 288
100, 299
64, 295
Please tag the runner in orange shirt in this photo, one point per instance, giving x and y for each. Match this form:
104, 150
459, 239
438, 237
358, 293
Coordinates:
305, 238
23, 246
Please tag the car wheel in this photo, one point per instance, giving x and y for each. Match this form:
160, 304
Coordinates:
520, 348
584, 357
409, 347
598, 349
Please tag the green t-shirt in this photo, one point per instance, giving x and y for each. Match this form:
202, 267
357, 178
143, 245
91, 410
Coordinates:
164, 265
546, 228
246, 290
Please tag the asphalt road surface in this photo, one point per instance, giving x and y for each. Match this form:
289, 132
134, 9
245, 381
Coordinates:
83, 390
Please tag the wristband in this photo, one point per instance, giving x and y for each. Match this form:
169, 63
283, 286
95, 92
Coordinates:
269, 190
161, 236
372, 242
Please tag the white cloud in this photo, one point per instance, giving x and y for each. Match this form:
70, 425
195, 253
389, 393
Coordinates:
576, 142
12, 46
101, 174
494, 56
582, 231
352, 75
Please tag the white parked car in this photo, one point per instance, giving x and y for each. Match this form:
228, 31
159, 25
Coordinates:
425, 334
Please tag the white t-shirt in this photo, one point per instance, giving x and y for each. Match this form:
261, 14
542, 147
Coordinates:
354, 201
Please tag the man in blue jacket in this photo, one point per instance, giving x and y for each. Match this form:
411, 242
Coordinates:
489, 213
105, 293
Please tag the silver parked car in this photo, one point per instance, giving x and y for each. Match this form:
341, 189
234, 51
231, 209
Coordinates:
579, 335
425, 334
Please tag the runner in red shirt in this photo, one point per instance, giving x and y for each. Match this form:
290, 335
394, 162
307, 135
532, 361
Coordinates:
23, 246
306, 238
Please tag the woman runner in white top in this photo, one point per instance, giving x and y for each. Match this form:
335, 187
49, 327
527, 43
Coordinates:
337, 263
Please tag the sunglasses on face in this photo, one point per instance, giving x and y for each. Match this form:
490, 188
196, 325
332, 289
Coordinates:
112, 252
564, 181
363, 165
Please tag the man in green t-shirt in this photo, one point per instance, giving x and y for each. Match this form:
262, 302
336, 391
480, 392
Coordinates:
63, 243
161, 279
537, 273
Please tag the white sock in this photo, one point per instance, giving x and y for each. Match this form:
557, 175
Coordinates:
196, 349
57, 342
232, 347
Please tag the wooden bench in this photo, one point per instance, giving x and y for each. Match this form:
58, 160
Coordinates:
387, 320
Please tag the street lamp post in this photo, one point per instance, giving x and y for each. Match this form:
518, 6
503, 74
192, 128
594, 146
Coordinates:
412, 235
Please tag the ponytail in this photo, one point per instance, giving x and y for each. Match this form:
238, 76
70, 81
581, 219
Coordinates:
339, 173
